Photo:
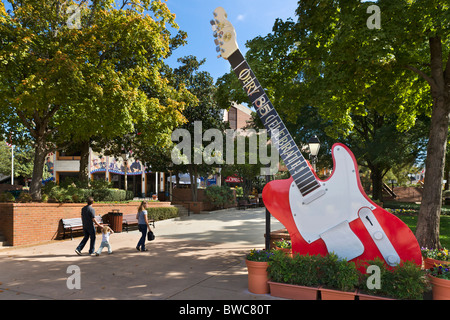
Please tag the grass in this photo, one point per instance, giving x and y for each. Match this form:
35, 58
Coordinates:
407, 212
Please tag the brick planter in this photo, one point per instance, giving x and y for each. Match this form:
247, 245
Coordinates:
30, 223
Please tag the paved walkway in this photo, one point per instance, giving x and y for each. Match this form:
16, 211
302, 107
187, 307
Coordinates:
196, 257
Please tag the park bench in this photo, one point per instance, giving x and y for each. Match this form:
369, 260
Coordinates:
243, 204
130, 220
75, 224
246, 204
254, 203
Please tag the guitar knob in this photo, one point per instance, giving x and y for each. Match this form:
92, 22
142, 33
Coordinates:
392, 260
378, 235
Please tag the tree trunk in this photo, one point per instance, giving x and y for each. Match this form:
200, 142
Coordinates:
84, 163
177, 178
193, 177
38, 169
427, 232
376, 175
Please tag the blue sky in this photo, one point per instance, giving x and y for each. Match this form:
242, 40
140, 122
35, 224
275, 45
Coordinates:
250, 18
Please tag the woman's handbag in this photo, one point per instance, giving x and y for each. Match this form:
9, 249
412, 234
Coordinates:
150, 236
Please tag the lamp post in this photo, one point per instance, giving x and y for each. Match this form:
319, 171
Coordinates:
314, 146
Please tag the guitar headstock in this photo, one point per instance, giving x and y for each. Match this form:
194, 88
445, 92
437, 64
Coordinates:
224, 33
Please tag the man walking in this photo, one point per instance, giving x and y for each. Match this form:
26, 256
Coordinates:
88, 219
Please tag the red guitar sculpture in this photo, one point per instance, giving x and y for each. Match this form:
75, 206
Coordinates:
334, 215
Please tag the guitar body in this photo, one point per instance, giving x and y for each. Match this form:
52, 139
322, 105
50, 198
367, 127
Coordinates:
344, 198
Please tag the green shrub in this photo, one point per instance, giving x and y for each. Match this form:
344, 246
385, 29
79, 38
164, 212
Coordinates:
24, 197
100, 184
162, 213
7, 197
312, 271
406, 281
299, 270
112, 195
338, 274
219, 196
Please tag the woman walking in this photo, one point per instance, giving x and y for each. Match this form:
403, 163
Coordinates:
143, 225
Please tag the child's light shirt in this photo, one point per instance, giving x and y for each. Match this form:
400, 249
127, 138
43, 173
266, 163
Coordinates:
105, 237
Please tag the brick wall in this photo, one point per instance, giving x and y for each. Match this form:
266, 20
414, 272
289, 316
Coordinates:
29, 223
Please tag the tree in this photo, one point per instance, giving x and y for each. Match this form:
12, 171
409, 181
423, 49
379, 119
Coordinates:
380, 146
60, 85
202, 116
246, 165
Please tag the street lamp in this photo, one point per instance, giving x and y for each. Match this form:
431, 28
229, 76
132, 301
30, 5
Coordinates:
314, 146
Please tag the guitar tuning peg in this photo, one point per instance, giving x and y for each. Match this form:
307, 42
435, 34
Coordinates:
216, 42
213, 22
217, 49
215, 34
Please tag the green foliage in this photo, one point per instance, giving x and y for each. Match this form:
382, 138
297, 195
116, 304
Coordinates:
24, 197
259, 255
239, 192
61, 85
300, 270
440, 271
69, 191
7, 197
338, 273
283, 244
162, 213
437, 254
406, 281
219, 196
112, 195
306, 270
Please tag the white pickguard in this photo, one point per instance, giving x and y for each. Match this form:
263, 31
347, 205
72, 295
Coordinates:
327, 217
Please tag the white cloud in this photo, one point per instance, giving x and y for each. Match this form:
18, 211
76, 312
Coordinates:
240, 17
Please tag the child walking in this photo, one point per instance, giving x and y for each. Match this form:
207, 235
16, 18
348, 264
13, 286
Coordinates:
106, 232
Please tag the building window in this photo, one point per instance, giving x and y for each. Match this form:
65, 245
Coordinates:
232, 118
68, 155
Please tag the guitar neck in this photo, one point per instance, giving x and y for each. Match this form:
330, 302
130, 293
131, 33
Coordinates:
289, 152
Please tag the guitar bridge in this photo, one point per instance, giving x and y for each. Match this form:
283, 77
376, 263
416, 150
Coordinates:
314, 196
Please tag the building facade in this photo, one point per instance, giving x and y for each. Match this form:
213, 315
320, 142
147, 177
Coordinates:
237, 116
140, 179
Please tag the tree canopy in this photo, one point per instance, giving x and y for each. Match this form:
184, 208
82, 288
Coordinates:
60, 84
